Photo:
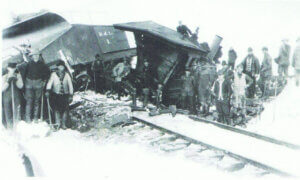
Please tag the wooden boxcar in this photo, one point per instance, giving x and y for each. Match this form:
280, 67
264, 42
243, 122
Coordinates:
168, 54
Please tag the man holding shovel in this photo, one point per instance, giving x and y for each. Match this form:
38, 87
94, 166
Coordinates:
12, 84
36, 75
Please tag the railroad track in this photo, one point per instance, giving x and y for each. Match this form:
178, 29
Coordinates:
242, 158
248, 133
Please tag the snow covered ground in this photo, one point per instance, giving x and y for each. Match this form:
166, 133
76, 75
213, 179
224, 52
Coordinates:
129, 152
276, 156
281, 117
68, 153
10, 159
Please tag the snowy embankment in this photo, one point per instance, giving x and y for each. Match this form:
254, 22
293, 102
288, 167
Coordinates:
11, 163
239, 144
68, 153
110, 152
281, 117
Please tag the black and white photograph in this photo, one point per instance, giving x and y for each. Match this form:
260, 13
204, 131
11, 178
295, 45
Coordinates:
139, 89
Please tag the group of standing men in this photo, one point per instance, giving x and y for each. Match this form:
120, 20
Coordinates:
232, 85
228, 88
117, 76
30, 80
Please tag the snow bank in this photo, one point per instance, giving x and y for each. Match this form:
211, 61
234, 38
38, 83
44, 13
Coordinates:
281, 117
32, 130
68, 154
11, 163
132, 152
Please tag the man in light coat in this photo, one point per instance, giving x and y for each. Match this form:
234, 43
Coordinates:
296, 61
120, 71
241, 82
12, 84
61, 87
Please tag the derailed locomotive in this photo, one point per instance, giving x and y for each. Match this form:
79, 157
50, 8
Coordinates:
169, 54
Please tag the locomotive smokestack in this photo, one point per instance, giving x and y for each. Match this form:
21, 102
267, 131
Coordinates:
214, 47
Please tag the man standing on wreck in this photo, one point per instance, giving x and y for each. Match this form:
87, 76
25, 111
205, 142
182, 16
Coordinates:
184, 30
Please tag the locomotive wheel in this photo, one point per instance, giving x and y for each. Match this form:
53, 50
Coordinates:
83, 82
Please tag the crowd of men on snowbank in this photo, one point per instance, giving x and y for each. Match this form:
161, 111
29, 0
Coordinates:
230, 88
233, 85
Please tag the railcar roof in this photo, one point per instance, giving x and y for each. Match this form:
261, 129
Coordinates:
161, 32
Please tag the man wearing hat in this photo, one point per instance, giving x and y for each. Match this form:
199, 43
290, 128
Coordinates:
203, 85
224, 68
265, 71
296, 61
120, 71
231, 58
187, 94
194, 36
183, 29
222, 93
36, 75
12, 84
99, 72
283, 58
61, 87
251, 67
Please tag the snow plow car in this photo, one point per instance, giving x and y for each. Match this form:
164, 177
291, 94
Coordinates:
75, 44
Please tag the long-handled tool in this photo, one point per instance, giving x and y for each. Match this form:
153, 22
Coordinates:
13, 102
42, 107
95, 83
49, 113
274, 107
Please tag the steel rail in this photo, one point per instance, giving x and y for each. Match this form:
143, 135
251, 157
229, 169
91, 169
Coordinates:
248, 133
231, 154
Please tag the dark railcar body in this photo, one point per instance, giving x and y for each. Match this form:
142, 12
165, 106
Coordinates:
168, 54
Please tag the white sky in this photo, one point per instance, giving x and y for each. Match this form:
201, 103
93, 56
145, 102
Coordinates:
241, 23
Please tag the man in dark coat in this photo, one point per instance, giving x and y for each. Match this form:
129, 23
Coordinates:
205, 79
146, 76
265, 71
36, 74
222, 94
99, 73
251, 67
231, 58
283, 58
187, 93
194, 36
146, 82
184, 30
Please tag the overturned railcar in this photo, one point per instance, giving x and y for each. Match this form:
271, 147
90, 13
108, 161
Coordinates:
74, 43
168, 54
